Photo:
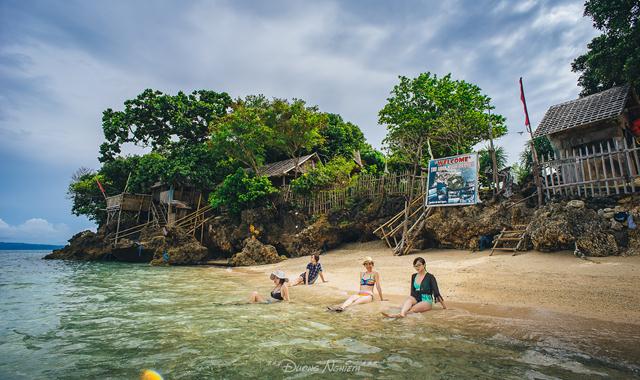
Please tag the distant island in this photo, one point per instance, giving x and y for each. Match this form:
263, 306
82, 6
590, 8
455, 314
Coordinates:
27, 246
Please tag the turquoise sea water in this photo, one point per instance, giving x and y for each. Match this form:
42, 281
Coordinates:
75, 320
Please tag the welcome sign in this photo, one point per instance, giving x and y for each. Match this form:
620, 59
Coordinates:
453, 181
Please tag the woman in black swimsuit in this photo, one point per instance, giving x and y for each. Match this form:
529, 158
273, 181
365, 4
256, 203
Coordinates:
279, 293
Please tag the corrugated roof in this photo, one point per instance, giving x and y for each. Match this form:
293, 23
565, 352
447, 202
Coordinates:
280, 168
601, 106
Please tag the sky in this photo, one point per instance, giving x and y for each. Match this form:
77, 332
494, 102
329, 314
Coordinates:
63, 62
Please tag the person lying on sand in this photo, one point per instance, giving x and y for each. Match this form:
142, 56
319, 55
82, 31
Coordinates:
424, 290
314, 270
279, 293
368, 279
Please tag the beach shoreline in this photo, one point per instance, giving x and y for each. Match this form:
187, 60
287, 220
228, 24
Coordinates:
532, 285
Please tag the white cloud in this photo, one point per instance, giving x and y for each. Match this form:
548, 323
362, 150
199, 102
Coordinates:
35, 230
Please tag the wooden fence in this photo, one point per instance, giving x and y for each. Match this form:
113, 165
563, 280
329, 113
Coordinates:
593, 170
365, 186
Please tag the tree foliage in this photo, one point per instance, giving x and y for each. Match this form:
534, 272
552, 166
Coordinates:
612, 58
439, 115
157, 120
295, 126
335, 173
340, 138
243, 134
486, 164
242, 190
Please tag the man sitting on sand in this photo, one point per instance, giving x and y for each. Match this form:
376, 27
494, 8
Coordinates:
314, 269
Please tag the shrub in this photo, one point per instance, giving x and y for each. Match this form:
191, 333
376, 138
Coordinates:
242, 190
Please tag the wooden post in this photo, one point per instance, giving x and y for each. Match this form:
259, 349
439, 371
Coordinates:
628, 159
624, 177
613, 168
546, 183
575, 171
604, 169
494, 162
593, 194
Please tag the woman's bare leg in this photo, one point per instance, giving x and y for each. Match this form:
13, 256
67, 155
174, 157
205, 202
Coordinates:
255, 297
361, 300
406, 306
297, 281
348, 302
420, 307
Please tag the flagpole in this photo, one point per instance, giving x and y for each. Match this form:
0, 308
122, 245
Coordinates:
534, 153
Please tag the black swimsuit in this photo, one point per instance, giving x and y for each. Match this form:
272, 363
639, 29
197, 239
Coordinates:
277, 294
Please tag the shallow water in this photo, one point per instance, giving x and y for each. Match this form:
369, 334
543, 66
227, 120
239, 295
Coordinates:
77, 320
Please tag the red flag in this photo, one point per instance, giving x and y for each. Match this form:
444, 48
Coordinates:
101, 188
524, 104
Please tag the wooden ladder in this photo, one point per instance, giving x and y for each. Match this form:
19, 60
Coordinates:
510, 240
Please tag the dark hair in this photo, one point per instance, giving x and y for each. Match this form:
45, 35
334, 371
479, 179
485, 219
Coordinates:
281, 281
316, 258
419, 260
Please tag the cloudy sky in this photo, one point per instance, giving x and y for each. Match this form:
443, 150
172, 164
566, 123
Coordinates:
63, 62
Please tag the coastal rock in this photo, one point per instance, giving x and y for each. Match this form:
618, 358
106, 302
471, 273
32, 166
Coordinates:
173, 246
557, 227
461, 227
254, 253
598, 244
576, 203
85, 245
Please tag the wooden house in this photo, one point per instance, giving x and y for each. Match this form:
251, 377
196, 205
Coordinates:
594, 143
282, 172
177, 199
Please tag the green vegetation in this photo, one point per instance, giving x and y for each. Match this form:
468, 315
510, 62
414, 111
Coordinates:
613, 58
430, 116
242, 190
486, 164
206, 139
335, 173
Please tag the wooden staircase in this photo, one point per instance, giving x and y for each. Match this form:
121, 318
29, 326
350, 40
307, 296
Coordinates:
511, 240
392, 230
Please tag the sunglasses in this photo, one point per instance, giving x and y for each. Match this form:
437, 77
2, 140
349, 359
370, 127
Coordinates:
418, 266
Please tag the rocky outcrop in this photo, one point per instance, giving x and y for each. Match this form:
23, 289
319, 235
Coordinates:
85, 245
254, 253
575, 226
462, 227
173, 246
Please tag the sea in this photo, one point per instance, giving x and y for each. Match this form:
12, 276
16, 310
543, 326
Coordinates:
110, 320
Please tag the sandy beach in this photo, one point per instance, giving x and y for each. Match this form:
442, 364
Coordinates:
531, 285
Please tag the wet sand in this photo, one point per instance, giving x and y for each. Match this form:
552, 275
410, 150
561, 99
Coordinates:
530, 285
554, 299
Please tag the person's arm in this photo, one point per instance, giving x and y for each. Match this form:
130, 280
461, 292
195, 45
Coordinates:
306, 277
377, 277
436, 292
322, 276
285, 292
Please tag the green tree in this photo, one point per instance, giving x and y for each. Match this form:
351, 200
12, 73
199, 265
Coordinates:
295, 126
340, 138
243, 134
442, 116
612, 58
335, 173
543, 148
157, 120
242, 190
486, 164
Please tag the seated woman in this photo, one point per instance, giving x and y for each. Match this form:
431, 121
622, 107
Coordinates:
368, 279
424, 290
279, 293
314, 269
